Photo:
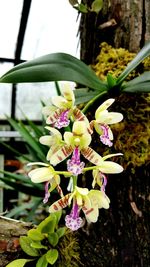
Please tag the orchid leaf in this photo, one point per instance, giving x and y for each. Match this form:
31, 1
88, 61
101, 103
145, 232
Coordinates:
42, 262
52, 256
18, 263
25, 243
54, 67
140, 84
143, 53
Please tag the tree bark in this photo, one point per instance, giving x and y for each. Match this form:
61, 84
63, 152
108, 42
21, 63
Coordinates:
120, 23
10, 232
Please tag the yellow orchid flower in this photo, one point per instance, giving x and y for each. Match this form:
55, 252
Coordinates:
45, 174
105, 167
75, 142
62, 108
54, 141
89, 201
103, 118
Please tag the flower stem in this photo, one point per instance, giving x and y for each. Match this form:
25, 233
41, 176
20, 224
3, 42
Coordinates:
91, 102
74, 181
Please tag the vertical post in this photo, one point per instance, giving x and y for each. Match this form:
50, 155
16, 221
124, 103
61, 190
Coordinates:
1, 183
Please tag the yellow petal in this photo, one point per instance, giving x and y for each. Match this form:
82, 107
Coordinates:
79, 128
85, 140
61, 155
91, 155
110, 167
54, 132
68, 93
59, 102
59, 204
82, 191
68, 138
46, 140
104, 106
110, 118
112, 155
41, 175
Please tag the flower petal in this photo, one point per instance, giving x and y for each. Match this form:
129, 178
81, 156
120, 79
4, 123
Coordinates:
46, 140
41, 175
61, 155
104, 106
91, 155
59, 102
110, 167
59, 204
110, 118
112, 155
54, 116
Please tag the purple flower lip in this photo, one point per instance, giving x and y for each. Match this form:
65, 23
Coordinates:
74, 165
73, 221
63, 120
105, 136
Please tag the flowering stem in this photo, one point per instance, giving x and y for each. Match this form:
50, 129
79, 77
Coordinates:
74, 181
91, 168
64, 173
91, 102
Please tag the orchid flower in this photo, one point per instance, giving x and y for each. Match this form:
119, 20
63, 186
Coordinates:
105, 167
45, 174
76, 142
54, 141
62, 108
89, 201
103, 118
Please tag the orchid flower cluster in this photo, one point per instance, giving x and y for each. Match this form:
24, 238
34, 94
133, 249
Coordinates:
74, 143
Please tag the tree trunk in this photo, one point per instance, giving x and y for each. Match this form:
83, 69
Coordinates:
120, 238
120, 23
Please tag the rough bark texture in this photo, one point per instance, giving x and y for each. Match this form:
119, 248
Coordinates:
10, 231
120, 23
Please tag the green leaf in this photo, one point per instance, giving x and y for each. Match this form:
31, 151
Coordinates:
140, 84
38, 245
35, 235
144, 52
48, 225
83, 95
61, 231
54, 67
30, 190
56, 215
53, 239
111, 81
97, 6
137, 88
52, 256
25, 243
25, 133
18, 263
82, 8
42, 262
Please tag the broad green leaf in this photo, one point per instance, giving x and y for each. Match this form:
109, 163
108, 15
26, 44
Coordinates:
48, 225
54, 67
30, 190
61, 231
143, 53
53, 239
25, 243
35, 235
25, 133
42, 262
82, 8
52, 256
97, 6
137, 88
83, 95
16, 152
111, 80
18, 263
57, 216
38, 245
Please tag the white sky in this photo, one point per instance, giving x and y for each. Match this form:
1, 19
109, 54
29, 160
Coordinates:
52, 27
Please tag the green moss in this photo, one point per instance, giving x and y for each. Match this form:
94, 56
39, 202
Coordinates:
131, 137
69, 251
